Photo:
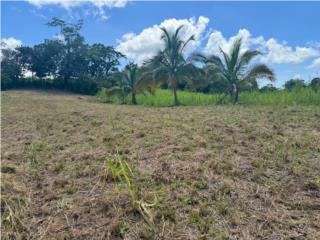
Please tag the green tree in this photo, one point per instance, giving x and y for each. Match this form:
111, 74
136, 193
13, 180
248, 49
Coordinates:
11, 71
74, 59
46, 60
133, 80
315, 84
83, 67
170, 65
268, 88
294, 84
234, 68
102, 60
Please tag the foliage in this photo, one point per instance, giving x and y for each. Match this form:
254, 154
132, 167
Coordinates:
268, 88
10, 69
315, 84
234, 70
67, 63
304, 96
12, 216
162, 98
132, 80
294, 84
170, 65
120, 170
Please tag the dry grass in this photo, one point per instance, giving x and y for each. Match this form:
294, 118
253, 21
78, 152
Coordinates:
218, 172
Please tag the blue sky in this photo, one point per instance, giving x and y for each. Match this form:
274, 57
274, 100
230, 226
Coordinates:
287, 33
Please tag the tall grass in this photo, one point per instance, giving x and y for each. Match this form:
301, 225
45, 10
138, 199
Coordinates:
163, 98
304, 96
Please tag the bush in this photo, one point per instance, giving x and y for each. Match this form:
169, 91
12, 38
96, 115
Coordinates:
315, 84
294, 84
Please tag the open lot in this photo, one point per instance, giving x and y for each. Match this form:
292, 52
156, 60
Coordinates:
220, 172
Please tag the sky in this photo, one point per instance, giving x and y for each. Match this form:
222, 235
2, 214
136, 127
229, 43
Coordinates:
287, 33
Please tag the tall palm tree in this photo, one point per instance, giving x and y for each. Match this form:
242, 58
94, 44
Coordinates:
169, 65
132, 80
234, 68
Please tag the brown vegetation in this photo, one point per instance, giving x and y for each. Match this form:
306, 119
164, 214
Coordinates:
219, 172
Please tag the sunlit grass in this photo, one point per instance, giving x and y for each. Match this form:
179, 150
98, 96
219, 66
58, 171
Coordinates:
163, 98
304, 96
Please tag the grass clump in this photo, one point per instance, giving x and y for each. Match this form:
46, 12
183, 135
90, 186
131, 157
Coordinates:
12, 214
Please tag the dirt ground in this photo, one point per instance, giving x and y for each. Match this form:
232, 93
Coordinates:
219, 172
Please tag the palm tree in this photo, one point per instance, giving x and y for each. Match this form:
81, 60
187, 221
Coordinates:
132, 80
234, 68
169, 65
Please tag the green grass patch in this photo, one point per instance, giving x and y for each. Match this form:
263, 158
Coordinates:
164, 98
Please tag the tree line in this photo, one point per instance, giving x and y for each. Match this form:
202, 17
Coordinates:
69, 63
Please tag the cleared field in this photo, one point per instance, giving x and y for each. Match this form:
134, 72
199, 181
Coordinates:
219, 172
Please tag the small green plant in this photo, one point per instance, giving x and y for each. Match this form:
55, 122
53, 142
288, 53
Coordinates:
33, 155
12, 217
33, 160
121, 171
111, 121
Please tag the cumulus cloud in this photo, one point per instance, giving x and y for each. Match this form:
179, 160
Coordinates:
282, 53
315, 64
142, 46
216, 41
10, 43
274, 52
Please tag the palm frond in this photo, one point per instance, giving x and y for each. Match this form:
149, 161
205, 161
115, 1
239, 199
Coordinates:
198, 57
226, 59
259, 71
191, 38
177, 31
235, 53
146, 82
216, 60
166, 36
117, 90
245, 58
160, 75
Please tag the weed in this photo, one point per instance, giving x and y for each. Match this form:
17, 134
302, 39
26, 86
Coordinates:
59, 166
63, 204
296, 168
12, 216
120, 170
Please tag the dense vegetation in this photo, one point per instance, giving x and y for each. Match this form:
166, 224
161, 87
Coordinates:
68, 63
164, 98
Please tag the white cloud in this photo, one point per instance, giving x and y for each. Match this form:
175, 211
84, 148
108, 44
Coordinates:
274, 52
73, 3
10, 43
217, 40
315, 64
313, 44
282, 53
142, 46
